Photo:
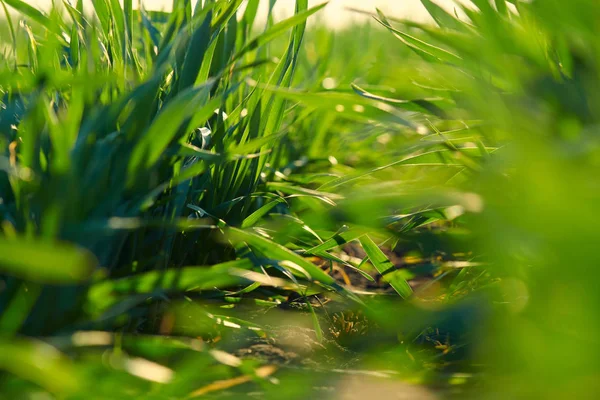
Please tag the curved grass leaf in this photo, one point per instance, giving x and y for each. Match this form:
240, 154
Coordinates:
331, 257
346, 105
426, 106
384, 266
425, 158
426, 50
278, 252
337, 240
292, 190
30, 12
441, 17
253, 218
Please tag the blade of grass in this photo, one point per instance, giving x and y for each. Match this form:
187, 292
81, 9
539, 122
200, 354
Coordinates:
30, 12
278, 252
253, 218
384, 266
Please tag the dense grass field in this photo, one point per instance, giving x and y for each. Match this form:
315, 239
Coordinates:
196, 205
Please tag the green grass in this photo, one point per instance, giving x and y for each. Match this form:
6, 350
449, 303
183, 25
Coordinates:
181, 190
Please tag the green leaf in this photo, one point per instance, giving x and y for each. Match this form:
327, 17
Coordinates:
278, 252
294, 190
176, 279
441, 17
168, 123
346, 105
29, 11
195, 54
337, 240
41, 364
384, 266
102, 9
19, 307
331, 257
253, 218
315, 321
104, 294
192, 151
426, 106
413, 159
45, 262
426, 50
11, 27
128, 17
501, 7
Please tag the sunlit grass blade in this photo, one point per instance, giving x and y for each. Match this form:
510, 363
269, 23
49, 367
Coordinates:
253, 218
385, 267
441, 17
346, 105
428, 51
280, 253
339, 239
195, 53
427, 106
30, 12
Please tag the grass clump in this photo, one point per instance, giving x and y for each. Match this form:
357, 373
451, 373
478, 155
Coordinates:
195, 205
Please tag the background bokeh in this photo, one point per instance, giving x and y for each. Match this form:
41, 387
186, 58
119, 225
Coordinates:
336, 14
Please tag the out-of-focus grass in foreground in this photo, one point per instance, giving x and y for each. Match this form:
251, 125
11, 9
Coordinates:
194, 206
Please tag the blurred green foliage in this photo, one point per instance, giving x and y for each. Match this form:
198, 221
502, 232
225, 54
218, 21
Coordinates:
193, 205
